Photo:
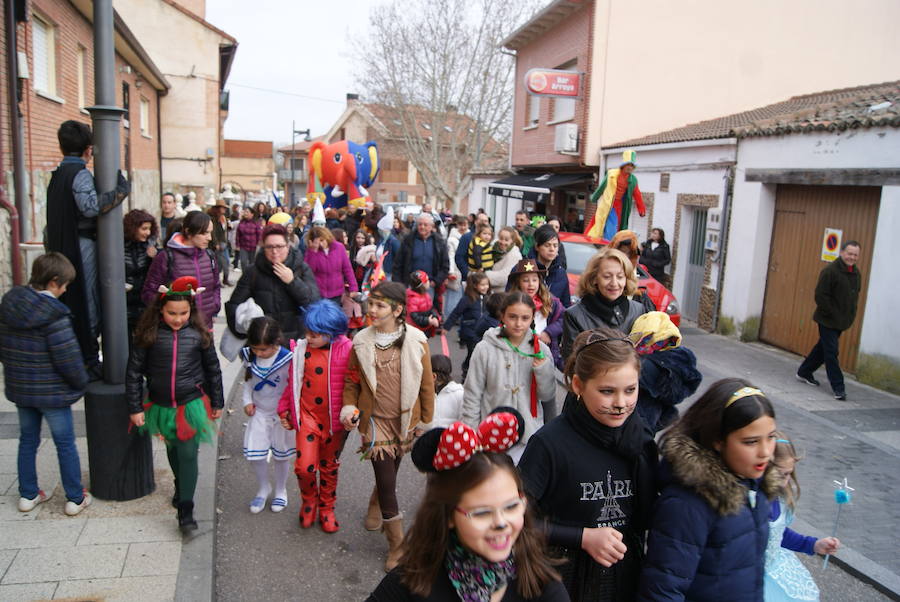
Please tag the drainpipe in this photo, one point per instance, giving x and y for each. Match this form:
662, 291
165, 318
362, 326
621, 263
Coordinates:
723, 243
22, 227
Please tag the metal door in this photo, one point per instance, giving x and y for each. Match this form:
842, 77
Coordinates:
696, 267
801, 215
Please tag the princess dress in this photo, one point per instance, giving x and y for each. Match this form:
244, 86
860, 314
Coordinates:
786, 577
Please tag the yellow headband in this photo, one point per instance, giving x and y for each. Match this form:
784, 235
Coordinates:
741, 393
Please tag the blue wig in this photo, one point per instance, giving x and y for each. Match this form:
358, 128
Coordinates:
325, 317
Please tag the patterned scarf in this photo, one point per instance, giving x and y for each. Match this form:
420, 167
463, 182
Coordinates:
473, 577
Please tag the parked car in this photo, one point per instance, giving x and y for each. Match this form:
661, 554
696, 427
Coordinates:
579, 250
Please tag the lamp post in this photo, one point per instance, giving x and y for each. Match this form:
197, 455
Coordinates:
306, 138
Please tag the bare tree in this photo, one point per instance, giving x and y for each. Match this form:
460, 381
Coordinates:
437, 70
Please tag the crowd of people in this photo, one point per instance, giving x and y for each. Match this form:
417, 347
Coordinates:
524, 500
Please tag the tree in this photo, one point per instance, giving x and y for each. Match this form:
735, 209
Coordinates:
437, 69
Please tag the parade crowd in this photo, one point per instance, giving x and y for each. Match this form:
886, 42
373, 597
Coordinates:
608, 494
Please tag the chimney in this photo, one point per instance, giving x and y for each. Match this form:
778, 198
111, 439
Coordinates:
352, 97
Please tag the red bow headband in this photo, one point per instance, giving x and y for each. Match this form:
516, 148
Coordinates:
459, 442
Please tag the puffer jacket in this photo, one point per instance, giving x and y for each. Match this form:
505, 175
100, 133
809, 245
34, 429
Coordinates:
594, 311
137, 264
42, 362
707, 539
177, 368
338, 356
186, 261
284, 302
333, 271
248, 234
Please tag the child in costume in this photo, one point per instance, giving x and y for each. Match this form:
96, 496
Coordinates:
528, 277
474, 537
174, 351
468, 311
669, 372
480, 254
268, 368
615, 198
599, 448
448, 393
389, 396
710, 523
419, 305
786, 578
511, 366
311, 406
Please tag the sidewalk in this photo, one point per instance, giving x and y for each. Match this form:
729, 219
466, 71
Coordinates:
858, 439
112, 550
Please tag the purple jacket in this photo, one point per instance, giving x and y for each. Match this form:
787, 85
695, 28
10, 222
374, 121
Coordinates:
332, 270
248, 234
186, 261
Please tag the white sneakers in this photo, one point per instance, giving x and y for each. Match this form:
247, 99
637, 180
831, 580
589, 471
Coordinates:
26, 505
72, 508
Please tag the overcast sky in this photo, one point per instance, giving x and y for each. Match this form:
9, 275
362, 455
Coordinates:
296, 49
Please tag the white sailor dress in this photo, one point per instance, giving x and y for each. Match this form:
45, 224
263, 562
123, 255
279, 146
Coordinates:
268, 378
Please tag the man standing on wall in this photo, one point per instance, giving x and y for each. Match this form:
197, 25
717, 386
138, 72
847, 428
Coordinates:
837, 293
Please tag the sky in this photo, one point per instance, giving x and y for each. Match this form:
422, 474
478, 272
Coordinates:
292, 63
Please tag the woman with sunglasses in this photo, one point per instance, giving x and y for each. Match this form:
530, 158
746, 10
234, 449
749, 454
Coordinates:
590, 471
473, 537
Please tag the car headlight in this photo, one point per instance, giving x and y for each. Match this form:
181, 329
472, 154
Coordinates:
574, 298
672, 307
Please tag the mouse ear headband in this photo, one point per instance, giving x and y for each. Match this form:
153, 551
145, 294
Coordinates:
447, 448
186, 286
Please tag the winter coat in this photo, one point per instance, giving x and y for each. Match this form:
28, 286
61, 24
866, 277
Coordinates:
248, 235
484, 323
594, 311
556, 279
42, 362
392, 589
277, 299
440, 259
656, 259
419, 308
667, 378
186, 260
338, 356
467, 312
837, 293
498, 376
499, 274
137, 264
448, 405
460, 257
177, 368
333, 271
416, 380
707, 539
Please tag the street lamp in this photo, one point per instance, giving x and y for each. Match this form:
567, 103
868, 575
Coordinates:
306, 138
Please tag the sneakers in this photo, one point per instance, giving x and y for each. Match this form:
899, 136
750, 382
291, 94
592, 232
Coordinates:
840, 396
257, 504
73, 509
279, 503
26, 505
808, 380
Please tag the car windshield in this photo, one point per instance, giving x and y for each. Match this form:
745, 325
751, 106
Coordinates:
579, 253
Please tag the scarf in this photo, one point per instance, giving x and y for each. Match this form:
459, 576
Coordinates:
603, 308
538, 304
473, 577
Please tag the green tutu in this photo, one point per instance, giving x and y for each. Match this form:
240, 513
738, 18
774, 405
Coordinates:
194, 422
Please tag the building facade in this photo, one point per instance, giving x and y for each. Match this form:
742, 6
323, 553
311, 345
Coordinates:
248, 166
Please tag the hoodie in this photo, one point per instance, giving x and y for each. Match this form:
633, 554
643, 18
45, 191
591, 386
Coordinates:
42, 362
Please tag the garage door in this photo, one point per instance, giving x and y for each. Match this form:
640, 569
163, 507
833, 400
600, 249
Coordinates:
801, 215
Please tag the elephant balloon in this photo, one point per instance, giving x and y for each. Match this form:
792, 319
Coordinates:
344, 170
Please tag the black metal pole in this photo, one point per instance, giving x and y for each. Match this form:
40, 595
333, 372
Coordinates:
121, 461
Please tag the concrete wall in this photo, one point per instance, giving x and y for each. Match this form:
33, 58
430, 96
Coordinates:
881, 328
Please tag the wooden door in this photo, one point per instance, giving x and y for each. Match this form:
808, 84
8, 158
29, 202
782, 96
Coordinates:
801, 215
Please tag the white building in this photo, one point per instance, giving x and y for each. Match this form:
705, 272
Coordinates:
746, 199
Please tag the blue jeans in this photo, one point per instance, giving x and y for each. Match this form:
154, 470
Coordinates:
61, 428
825, 351
450, 300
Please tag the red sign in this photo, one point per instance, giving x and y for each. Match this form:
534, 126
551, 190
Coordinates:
552, 82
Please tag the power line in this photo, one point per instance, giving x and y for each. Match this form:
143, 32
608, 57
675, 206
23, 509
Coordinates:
285, 93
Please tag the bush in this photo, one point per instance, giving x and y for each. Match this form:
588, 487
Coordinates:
879, 371
750, 329
725, 326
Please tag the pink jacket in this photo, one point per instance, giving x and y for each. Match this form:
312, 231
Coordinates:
332, 271
338, 356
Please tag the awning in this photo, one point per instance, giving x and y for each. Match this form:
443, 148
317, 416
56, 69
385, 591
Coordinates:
534, 187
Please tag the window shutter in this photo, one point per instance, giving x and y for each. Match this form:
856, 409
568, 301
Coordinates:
40, 37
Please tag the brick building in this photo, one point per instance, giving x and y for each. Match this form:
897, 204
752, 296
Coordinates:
248, 166
54, 41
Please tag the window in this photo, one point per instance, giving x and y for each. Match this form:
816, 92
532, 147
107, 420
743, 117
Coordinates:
298, 164
534, 110
126, 104
564, 108
664, 182
80, 57
44, 51
402, 196
145, 117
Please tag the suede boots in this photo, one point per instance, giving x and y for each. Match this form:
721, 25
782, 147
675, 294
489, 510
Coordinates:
393, 532
373, 514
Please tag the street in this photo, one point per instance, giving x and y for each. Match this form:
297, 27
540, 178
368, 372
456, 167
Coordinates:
269, 556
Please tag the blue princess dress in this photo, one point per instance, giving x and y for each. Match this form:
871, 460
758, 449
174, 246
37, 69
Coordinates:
786, 577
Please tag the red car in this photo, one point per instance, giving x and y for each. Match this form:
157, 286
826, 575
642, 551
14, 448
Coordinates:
580, 248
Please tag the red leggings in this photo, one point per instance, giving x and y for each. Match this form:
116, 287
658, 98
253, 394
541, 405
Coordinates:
318, 452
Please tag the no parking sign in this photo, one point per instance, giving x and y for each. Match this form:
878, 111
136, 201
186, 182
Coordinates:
831, 244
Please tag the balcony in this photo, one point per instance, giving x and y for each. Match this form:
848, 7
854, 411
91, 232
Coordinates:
284, 175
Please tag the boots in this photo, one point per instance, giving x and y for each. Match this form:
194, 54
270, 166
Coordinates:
308, 510
393, 532
373, 514
186, 520
328, 520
